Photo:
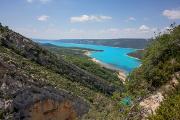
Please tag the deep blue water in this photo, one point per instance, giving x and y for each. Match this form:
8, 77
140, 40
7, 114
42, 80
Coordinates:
112, 56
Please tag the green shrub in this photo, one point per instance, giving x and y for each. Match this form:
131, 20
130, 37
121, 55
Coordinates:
161, 59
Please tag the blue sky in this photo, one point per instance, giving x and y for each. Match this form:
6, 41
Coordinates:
58, 19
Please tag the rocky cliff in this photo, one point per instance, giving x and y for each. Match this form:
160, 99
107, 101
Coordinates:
23, 97
27, 90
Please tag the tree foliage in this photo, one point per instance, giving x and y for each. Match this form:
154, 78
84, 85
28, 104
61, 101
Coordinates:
161, 59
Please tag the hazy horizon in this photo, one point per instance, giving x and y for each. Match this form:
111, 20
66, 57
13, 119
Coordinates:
87, 38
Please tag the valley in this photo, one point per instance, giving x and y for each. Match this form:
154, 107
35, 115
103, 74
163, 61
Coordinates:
41, 81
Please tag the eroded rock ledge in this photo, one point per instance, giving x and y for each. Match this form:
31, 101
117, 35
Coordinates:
22, 98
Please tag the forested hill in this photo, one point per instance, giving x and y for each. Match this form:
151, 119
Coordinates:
124, 42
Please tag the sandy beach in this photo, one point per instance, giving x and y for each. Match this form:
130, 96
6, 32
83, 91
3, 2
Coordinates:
87, 53
96, 61
122, 76
120, 73
133, 57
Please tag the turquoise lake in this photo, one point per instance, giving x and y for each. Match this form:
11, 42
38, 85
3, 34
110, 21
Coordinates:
112, 56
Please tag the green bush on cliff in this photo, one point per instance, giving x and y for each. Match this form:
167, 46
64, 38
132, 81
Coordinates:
161, 59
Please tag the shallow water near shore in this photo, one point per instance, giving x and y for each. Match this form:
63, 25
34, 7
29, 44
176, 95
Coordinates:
115, 57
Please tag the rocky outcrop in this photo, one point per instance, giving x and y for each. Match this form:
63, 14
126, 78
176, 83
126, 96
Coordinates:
49, 109
23, 98
150, 104
27, 48
34, 103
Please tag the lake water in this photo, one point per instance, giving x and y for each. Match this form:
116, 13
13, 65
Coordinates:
114, 57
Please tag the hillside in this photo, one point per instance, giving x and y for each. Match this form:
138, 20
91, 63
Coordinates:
158, 77
78, 57
38, 84
50, 82
34, 52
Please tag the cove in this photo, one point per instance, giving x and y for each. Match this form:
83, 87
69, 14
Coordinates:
114, 57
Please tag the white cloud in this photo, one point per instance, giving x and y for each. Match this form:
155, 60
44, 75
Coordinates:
131, 19
144, 28
164, 29
55, 32
29, 1
167, 28
139, 32
104, 17
172, 14
86, 18
42, 1
43, 18
143, 31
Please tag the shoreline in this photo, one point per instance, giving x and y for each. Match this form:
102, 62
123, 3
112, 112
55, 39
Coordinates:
120, 73
137, 54
87, 53
122, 76
133, 57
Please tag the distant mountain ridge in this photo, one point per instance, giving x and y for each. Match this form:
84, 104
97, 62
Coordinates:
137, 43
